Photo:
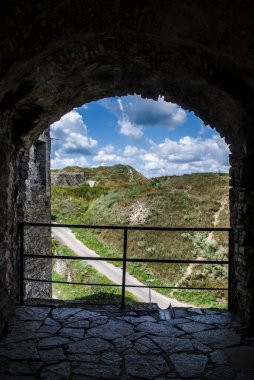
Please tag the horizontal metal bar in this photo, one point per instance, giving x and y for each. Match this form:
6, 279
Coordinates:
73, 257
127, 286
130, 260
181, 288
173, 261
147, 228
70, 283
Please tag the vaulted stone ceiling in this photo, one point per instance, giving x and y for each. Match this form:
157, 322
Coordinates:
57, 55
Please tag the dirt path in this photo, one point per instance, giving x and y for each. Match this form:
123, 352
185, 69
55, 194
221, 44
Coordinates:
190, 267
66, 236
223, 203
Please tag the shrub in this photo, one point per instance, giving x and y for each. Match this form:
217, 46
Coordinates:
151, 250
108, 199
134, 191
141, 244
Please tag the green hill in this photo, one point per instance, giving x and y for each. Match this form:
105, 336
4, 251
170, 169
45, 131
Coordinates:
122, 196
108, 176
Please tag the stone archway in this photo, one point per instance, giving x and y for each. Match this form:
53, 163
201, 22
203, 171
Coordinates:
199, 55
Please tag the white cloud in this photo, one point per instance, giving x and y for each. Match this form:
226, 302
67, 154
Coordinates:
120, 104
70, 140
130, 130
187, 155
59, 163
67, 122
178, 115
131, 150
184, 156
109, 148
146, 112
135, 113
72, 144
78, 143
108, 155
203, 129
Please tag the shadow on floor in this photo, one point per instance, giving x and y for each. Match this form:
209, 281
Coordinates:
103, 342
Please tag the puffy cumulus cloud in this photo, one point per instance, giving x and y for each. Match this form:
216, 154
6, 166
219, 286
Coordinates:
184, 156
156, 113
68, 122
109, 148
70, 140
146, 112
131, 150
108, 155
187, 155
76, 143
129, 129
72, 144
59, 163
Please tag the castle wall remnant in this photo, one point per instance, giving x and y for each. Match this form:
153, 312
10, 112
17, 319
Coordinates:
37, 240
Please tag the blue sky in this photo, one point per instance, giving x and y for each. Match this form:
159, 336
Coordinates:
155, 137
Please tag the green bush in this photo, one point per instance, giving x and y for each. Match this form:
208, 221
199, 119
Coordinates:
141, 244
134, 191
151, 250
87, 192
109, 199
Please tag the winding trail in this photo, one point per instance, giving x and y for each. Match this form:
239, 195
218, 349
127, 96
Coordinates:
66, 237
223, 203
210, 237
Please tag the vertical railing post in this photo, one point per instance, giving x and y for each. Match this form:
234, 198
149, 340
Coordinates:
124, 266
21, 263
230, 267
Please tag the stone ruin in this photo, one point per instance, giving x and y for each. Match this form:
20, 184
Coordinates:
37, 209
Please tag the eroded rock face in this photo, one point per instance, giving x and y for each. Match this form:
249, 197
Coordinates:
198, 54
63, 178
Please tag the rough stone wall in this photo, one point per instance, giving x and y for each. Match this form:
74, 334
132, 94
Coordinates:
241, 220
8, 245
37, 240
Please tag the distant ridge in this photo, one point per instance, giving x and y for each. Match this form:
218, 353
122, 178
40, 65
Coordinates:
102, 175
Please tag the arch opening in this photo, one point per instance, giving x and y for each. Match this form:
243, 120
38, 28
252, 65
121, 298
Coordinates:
229, 137
75, 140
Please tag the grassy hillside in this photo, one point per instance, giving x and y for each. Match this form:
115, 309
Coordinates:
80, 271
122, 196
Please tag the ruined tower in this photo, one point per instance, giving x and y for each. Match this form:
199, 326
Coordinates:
37, 240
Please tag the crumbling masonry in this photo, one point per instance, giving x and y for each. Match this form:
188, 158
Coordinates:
37, 209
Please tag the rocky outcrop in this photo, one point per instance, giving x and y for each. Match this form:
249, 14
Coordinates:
139, 213
64, 178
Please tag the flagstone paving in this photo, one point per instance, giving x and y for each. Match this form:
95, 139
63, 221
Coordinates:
56, 342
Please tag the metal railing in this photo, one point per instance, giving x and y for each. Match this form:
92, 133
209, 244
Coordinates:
124, 259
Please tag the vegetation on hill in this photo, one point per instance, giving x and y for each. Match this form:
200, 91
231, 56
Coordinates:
122, 196
80, 271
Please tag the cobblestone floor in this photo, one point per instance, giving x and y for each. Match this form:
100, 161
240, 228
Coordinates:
92, 343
